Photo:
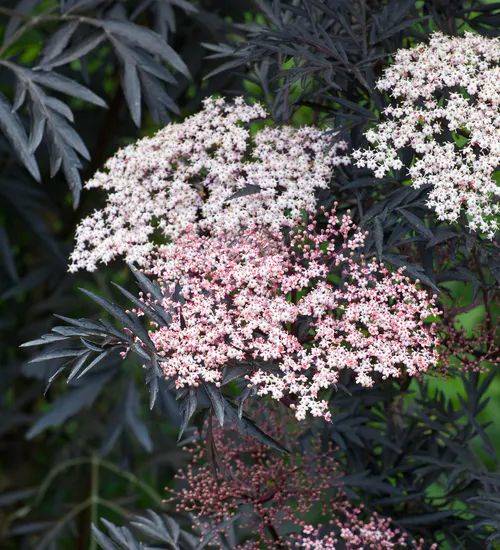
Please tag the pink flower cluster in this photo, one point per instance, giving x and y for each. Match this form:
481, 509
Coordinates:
447, 111
273, 495
358, 532
248, 474
281, 309
187, 173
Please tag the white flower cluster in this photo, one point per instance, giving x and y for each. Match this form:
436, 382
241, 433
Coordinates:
188, 172
447, 111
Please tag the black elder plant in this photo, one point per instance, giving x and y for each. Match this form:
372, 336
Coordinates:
275, 271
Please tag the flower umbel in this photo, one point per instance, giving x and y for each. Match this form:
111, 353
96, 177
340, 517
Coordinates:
187, 174
447, 97
274, 497
296, 311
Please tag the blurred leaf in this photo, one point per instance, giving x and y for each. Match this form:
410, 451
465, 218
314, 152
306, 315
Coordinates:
70, 404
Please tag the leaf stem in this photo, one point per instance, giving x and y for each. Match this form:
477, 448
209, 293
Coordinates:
31, 21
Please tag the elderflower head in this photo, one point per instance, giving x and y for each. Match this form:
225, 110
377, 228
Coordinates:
273, 496
188, 173
238, 309
447, 97
354, 529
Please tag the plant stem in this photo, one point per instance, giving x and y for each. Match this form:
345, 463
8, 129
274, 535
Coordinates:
484, 290
94, 497
131, 478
